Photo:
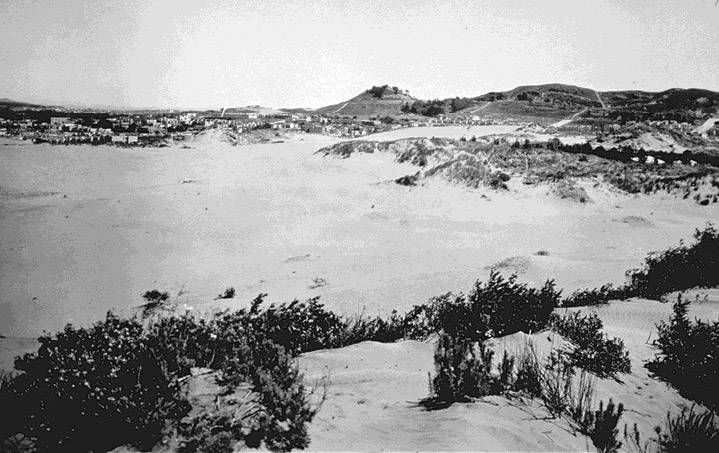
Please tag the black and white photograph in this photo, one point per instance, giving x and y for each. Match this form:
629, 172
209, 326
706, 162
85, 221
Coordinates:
359, 225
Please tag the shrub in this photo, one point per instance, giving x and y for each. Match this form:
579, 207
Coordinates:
118, 383
221, 428
529, 373
596, 296
360, 329
507, 376
298, 326
495, 308
96, 388
462, 374
689, 431
556, 383
601, 426
246, 354
688, 355
155, 300
503, 307
228, 294
594, 350
680, 268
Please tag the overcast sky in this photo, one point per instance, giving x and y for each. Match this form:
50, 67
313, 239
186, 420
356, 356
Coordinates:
308, 53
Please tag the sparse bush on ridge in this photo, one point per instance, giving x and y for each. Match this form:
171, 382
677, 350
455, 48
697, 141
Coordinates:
679, 268
594, 350
596, 296
688, 355
674, 269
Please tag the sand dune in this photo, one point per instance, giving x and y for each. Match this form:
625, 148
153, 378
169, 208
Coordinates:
375, 387
111, 223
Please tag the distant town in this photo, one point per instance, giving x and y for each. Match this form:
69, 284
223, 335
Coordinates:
675, 120
156, 129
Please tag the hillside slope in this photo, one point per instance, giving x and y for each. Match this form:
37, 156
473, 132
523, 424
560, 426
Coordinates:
377, 101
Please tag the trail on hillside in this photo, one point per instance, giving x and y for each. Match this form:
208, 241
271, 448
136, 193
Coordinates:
566, 121
481, 107
343, 106
599, 98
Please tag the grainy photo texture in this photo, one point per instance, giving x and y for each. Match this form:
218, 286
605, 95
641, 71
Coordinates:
359, 225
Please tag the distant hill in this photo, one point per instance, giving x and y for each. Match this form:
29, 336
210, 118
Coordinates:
377, 101
681, 104
9, 103
546, 103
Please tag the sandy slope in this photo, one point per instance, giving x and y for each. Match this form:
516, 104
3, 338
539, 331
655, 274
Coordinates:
87, 229
372, 406
372, 402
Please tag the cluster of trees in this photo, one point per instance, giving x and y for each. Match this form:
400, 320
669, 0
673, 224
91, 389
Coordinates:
438, 106
379, 91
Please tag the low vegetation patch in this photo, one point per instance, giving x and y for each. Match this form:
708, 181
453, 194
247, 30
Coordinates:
689, 430
594, 350
490, 162
674, 269
692, 429
596, 296
679, 268
688, 355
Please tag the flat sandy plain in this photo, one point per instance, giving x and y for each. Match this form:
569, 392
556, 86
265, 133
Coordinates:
87, 229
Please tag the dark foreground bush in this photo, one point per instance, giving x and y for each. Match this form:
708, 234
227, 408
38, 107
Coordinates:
118, 383
688, 356
95, 389
679, 268
689, 431
594, 350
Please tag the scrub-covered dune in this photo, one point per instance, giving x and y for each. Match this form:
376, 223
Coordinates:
376, 387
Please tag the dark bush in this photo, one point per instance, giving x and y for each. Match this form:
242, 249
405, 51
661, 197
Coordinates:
496, 308
601, 426
155, 302
228, 294
688, 356
361, 328
461, 373
680, 268
594, 351
298, 326
118, 382
503, 307
689, 431
596, 296
96, 388
529, 373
